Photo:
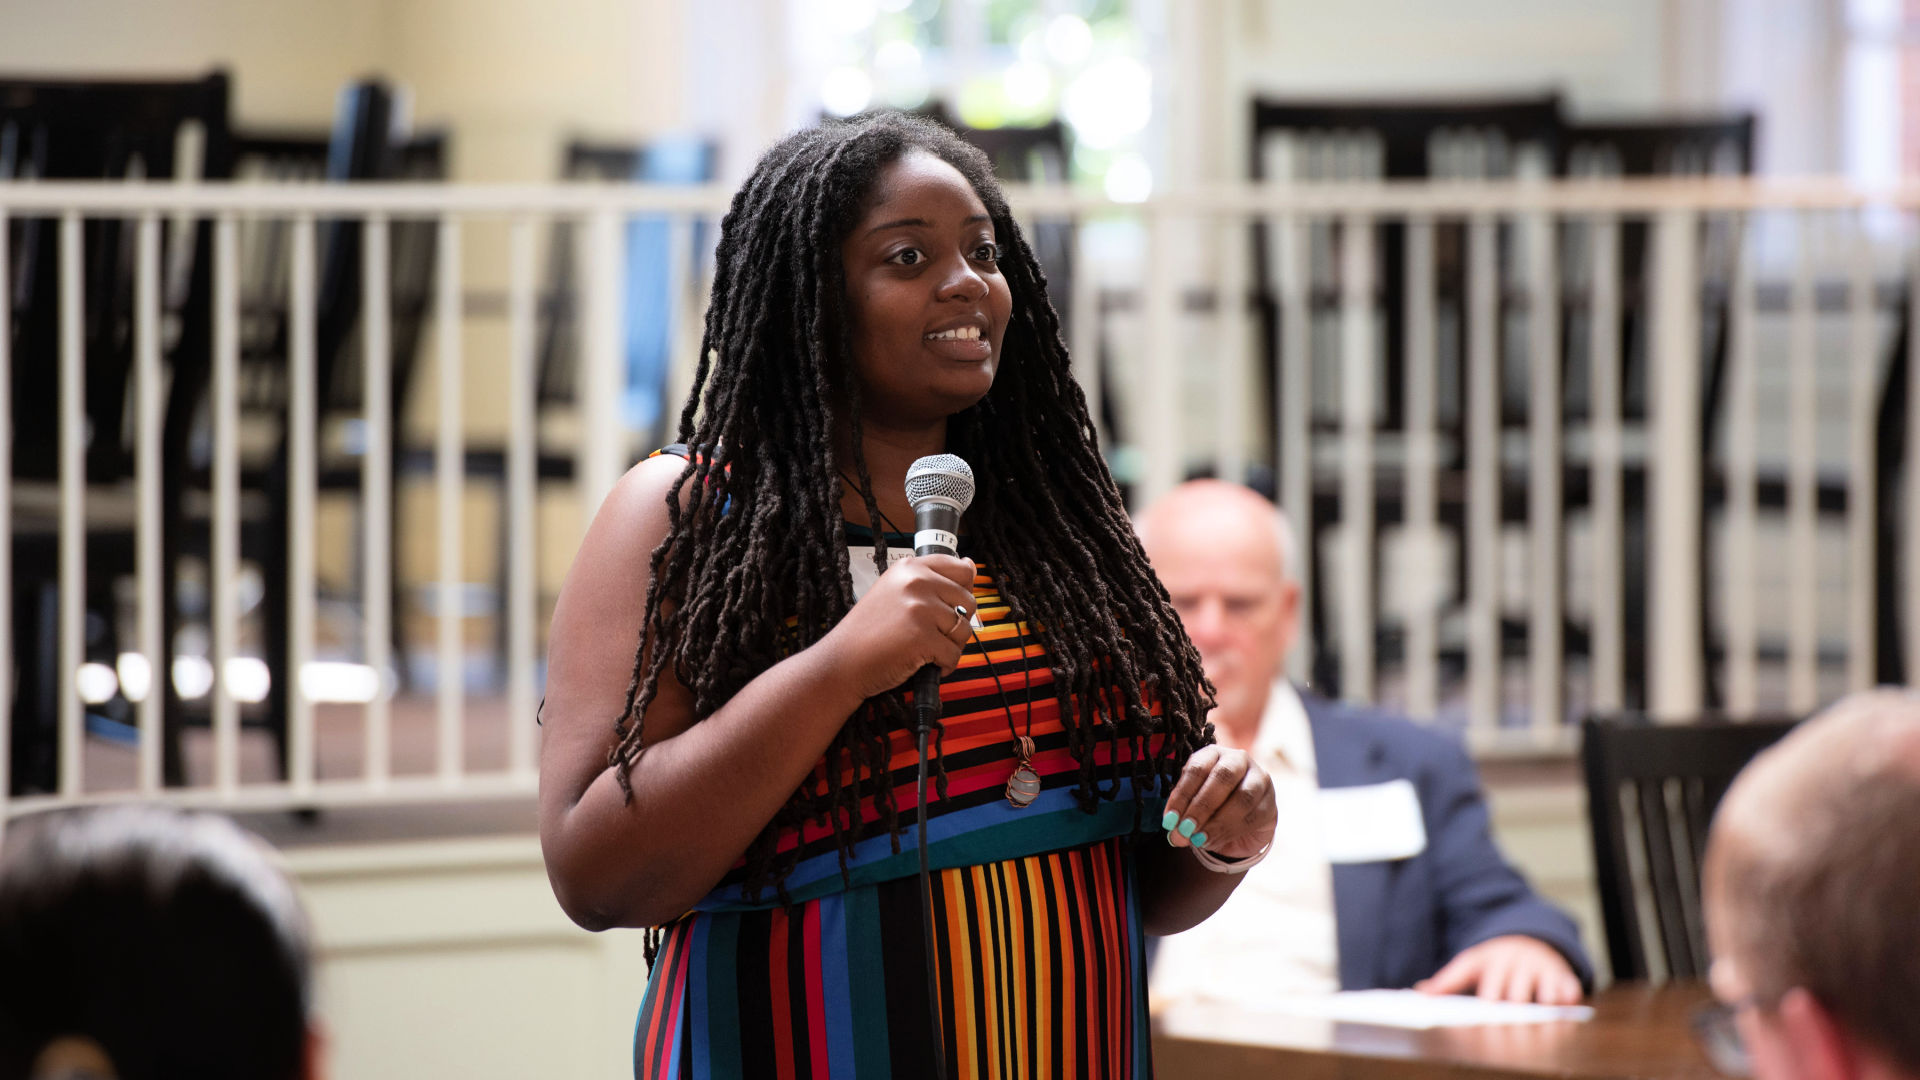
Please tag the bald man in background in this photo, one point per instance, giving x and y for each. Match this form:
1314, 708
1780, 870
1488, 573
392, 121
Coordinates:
1383, 873
1812, 894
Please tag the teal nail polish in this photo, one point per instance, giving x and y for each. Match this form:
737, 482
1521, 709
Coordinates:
1199, 839
1187, 825
1168, 820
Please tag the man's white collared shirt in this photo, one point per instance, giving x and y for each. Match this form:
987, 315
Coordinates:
1275, 935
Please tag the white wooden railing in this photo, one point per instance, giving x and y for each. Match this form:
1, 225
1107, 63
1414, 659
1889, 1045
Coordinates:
1184, 404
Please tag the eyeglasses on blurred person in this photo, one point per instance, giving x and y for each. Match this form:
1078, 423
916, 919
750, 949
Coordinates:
1812, 896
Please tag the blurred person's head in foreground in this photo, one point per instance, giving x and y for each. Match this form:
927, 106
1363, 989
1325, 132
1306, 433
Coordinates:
141, 942
1812, 891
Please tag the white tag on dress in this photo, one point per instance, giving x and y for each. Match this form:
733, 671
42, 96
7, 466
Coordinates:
860, 561
1371, 822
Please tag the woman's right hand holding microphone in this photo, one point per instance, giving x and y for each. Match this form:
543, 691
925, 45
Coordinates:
919, 612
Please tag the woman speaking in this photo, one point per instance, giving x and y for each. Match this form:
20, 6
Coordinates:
729, 759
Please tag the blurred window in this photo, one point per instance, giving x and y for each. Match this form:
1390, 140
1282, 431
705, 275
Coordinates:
1881, 91
989, 63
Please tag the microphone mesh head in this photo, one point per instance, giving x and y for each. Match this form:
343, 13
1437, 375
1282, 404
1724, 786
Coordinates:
940, 478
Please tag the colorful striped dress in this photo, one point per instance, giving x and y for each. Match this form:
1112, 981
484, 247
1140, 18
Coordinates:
1037, 934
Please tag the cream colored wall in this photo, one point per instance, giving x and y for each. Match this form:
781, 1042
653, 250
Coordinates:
1542, 830
289, 57
451, 958
511, 78
1604, 57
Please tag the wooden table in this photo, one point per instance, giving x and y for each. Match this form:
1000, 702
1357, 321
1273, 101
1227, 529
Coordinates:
1637, 1033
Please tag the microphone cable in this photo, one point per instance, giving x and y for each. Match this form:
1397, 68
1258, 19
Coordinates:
926, 713
939, 488
926, 709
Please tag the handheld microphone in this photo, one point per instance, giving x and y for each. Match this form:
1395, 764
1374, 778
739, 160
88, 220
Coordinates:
939, 488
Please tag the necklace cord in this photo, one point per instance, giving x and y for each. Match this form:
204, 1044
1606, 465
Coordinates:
925, 724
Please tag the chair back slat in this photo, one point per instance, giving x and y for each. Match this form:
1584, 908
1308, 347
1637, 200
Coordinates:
1652, 790
1699, 813
1696, 819
1656, 833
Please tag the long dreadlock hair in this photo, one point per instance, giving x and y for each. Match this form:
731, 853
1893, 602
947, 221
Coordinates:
756, 532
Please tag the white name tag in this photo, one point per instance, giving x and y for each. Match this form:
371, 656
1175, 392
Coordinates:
860, 561
1371, 823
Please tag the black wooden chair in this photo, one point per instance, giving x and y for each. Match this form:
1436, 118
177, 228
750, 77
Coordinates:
1370, 140
98, 130
1651, 793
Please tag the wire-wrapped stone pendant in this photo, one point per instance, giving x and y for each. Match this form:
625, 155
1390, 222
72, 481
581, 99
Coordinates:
1024, 785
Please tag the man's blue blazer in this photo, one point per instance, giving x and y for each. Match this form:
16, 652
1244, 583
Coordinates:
1398, 922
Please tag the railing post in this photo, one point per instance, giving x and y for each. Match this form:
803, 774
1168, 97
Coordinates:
522, 439
225, 574
1609, 617
1673, 642
1863, 477
450, 473
1295, 412
1544, 639
1157, 427
603, 445
1230, 389
1742, 608
1803, 450
302, 462
376, 487
148, 569
1483, 534
1426, 571
73, 492
1356, 452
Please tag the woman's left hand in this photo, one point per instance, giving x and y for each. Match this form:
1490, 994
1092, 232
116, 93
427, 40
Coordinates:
1222, 804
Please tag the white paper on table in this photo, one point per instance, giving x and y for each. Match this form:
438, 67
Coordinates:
1412, 1009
